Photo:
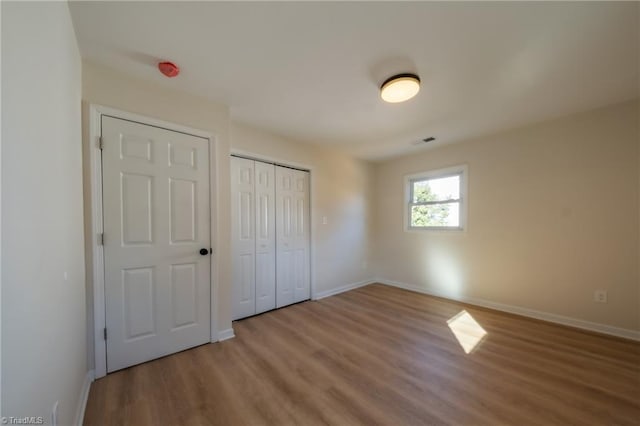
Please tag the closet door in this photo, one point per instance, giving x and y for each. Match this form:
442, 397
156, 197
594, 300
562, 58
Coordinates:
243, 240
292, 230
265, 190
302, 240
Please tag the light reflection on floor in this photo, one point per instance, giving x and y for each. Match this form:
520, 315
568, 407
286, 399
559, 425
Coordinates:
467, 330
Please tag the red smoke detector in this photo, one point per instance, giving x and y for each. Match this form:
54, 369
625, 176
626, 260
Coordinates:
169, 69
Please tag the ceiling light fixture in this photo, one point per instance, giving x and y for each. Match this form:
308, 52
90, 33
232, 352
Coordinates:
400, 88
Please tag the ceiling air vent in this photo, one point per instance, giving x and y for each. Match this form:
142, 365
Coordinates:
423, 141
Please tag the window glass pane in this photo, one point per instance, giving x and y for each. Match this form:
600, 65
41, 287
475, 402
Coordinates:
439, 189
436, 215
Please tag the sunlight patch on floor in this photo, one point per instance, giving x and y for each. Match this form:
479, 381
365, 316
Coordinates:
467, 330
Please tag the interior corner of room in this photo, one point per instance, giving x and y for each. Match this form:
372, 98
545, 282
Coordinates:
142, 216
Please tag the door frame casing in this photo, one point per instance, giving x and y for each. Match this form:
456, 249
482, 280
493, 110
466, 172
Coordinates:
312, 191
96, 112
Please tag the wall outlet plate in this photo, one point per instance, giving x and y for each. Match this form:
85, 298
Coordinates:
600, 296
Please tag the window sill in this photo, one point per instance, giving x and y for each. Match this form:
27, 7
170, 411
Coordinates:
436, 229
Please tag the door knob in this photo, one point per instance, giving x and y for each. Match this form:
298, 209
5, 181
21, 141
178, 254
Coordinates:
204, 251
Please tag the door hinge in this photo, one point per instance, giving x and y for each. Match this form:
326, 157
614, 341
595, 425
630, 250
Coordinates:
101, 239
105, 333
100, 143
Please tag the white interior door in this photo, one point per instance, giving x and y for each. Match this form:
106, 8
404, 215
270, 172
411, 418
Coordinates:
302, 240
265, 191
292, 230
243, 237
156, 221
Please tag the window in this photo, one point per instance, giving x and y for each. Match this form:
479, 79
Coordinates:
436, 199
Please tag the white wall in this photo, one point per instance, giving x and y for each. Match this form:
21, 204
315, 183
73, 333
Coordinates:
43, 296
106, 87
340, 191
553, 216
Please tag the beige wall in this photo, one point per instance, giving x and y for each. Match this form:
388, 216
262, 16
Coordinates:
105, 87
43, 294
340, 191
553, 216
340, 185
536, 237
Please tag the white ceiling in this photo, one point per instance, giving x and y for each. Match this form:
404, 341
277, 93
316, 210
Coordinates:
310, 71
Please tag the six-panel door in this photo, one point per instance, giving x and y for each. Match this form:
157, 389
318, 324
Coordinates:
156, 221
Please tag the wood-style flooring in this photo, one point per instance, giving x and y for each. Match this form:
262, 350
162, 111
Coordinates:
381, 356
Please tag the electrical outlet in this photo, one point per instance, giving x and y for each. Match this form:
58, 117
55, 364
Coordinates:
54, 414
324, 220
600, 296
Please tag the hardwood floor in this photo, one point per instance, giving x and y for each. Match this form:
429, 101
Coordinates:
381, 355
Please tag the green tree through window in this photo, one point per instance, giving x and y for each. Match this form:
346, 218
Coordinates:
427, 215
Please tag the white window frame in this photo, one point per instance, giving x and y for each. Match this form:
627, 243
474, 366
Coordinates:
460, 170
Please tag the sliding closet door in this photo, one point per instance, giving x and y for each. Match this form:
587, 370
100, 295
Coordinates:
292, 230
243, 241
265, 191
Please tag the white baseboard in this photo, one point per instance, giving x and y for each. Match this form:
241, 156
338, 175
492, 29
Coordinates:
84, 396
342, 289
525, 312
226, 334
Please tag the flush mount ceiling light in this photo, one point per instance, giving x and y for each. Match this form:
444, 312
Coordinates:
400, 88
